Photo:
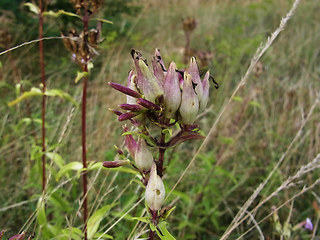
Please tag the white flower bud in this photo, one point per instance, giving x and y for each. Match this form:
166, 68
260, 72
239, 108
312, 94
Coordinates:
155, 191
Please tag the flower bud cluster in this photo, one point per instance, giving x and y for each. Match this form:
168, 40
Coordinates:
81, 46
90, 6
162, 94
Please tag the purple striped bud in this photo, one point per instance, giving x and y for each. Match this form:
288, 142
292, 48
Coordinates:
172, 92
308, 224
147, 104
116, 163
125, 90
151, 87
189, 101
130, 143
143, 156
159, 58
131, 107
136, 57
194, 72
205, 95
158, 70
128, 115
155, 191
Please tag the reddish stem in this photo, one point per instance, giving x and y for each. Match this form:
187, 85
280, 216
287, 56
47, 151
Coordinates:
161, 155
154, 220
83, 127
43, 81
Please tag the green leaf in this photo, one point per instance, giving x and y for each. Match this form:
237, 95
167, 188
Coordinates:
237, 99
138, 182
73, 233
103, 236
41, 214
142, 219
255, 104
80, 75
162, 232
73, 166
101, 20
59, 202
59, 13
226, 140
32, 8
167, 213
61, 94
96, 218
33, 92
56, 158
94, 166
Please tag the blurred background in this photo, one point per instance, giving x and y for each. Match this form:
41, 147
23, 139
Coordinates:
250, 138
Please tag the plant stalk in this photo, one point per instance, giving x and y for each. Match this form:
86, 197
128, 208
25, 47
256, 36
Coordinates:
154, 220
83, 128
43, 113
162, 150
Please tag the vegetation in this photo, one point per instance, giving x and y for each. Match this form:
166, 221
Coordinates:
267, 132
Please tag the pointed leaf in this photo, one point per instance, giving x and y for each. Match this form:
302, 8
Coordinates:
32, 8
73, 166
96, 218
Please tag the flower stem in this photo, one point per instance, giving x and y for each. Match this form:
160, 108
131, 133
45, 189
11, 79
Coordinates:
154, 220
43, 113
161, 155
83, 128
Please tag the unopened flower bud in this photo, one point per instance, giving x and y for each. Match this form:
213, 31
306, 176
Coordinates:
115, 164
158, 70
125, 90
131, 85
131, 107
205, 95
189, 101
130, 143
147, 104
193, 70
127, 115
151, 87
172, 92
143, 156
155, 191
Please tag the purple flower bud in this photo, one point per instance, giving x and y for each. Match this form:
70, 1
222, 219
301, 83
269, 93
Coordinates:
151, 87
131, 107
159, 58
189, 101
143, 156
155, 191
130, 143
117, 112
172, 92
125, 90
115, 164
140, 78
147, 104
308, 224
158, 70
18, 236
128, 115
205, 95
194, 72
